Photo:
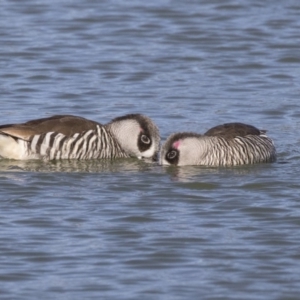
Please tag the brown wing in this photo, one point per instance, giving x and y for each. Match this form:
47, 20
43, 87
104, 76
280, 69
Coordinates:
231, 130
65, 124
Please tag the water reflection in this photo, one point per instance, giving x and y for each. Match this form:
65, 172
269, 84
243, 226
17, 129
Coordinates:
75, 166
200, 173
180, 174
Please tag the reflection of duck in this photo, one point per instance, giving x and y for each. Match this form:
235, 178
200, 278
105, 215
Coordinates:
76, 166
224, 145
209, 176
71, 137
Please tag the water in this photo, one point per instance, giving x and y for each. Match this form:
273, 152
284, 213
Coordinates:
131, 229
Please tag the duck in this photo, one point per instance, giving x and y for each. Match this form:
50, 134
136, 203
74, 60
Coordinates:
74, 137
229, 144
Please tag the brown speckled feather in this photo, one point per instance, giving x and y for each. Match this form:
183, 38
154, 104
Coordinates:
65, 124
232, 130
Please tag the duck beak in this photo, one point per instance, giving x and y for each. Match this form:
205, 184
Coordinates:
155, 156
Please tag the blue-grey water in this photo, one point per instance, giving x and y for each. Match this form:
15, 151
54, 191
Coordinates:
131, 229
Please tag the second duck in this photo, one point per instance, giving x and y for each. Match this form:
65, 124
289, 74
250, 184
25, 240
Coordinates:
224, 145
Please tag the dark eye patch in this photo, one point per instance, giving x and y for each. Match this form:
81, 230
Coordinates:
172, 156
144, 139
144, 142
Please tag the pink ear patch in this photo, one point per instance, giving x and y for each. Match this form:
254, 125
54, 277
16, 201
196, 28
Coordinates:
176, 144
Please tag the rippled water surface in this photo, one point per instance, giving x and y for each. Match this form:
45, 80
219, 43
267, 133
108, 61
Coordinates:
131, 229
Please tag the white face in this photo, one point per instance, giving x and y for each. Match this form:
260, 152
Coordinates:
181, 152
136, 141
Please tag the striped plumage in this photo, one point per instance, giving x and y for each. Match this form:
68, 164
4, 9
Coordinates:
72, 137
224, 145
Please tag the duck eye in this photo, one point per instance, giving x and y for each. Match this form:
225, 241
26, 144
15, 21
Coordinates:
171, 154
145, 139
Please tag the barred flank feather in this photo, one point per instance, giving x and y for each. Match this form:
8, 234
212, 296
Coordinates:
238, 151
91, 144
